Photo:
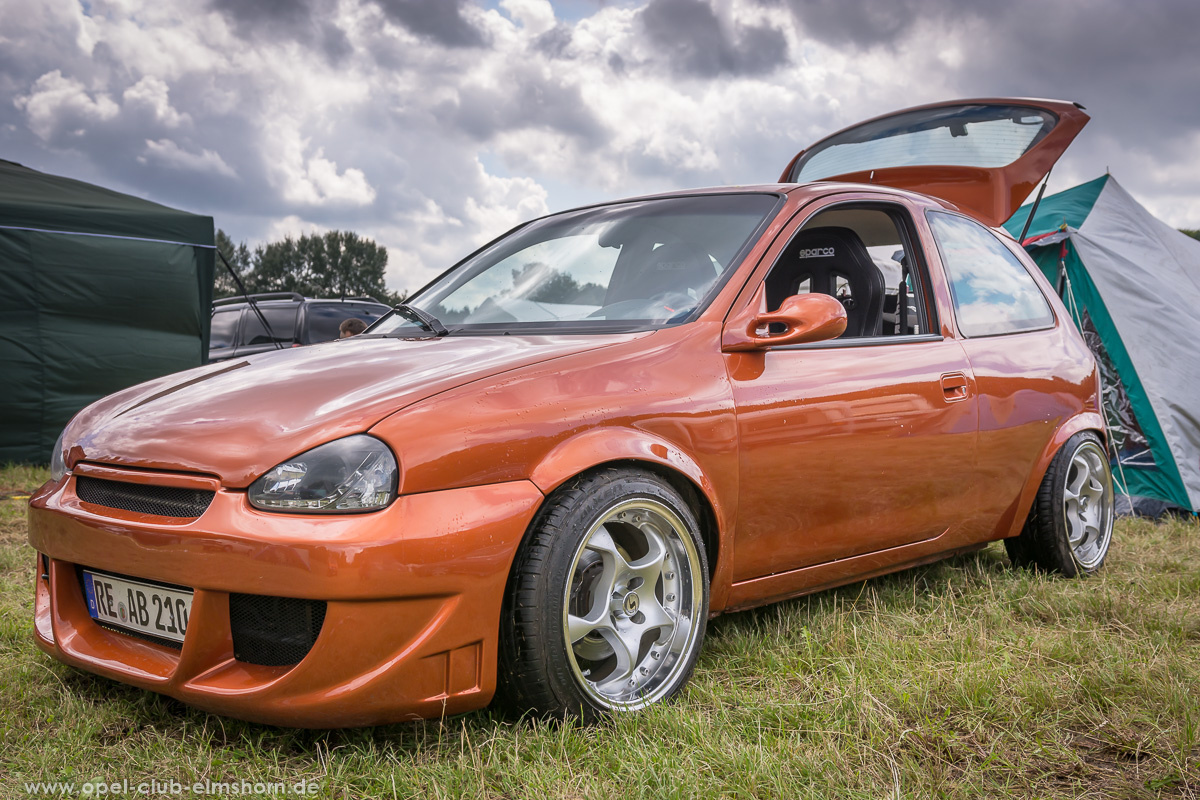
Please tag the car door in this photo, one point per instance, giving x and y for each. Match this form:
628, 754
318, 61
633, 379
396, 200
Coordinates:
865, 442
985, 156
1030, 366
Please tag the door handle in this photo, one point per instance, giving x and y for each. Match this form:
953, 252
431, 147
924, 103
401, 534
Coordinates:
954, 387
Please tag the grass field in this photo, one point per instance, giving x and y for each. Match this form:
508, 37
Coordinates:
966, 678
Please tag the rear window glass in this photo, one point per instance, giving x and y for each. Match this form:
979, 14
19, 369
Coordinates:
958, 136
282, 320
324, 321
224, 327
993, 292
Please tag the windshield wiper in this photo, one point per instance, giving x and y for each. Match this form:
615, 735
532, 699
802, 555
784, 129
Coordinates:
423, 318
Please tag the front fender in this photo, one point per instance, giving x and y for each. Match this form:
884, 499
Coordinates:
598, 446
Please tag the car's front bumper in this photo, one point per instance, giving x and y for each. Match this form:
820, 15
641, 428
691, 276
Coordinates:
412, 595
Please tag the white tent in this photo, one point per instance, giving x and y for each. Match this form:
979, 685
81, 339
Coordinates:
1132, 283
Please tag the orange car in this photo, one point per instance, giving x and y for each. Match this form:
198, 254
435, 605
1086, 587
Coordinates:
544, 474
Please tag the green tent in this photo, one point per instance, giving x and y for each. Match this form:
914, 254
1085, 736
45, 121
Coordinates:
1132, 285
98, 291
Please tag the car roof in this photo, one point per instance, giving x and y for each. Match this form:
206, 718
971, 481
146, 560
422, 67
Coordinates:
794, 190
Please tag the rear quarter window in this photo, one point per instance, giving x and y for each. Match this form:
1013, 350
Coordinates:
993, 293
323, 321
224, 328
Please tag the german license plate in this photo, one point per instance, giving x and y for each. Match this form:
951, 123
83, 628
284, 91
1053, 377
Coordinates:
136, 606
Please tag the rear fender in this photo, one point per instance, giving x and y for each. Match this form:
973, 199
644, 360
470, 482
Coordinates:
1087, 420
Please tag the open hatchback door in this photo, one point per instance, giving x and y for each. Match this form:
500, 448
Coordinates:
984, 156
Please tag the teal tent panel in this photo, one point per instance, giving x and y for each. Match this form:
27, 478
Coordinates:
1070, 207
1162, 480
1149, 276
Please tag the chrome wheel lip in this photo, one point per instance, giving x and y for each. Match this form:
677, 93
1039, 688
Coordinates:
663, 667
1088, 505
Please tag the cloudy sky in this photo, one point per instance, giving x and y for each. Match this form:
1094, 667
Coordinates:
434, 125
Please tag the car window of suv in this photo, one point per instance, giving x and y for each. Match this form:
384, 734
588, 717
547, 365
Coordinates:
862, 256
224, 326
993, 293
282, 320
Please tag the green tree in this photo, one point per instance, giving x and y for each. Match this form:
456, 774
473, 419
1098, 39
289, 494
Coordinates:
239, 259
333, 264
1192, 232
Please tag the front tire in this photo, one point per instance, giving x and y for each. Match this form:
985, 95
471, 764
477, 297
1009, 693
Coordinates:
608, 600
1069, 529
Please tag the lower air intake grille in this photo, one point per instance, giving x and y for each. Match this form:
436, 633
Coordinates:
273, 631
163, 501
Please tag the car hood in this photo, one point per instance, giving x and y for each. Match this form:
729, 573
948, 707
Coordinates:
238, 419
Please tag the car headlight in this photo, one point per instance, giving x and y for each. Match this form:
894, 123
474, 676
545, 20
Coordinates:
358, 473
58, 464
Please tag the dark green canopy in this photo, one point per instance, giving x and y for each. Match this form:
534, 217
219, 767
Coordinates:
98, 291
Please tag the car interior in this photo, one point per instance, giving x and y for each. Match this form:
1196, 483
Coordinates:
859, 255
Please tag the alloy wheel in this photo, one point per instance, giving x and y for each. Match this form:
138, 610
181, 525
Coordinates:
631, 603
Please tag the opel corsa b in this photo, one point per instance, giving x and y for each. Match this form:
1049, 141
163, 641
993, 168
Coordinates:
543, 475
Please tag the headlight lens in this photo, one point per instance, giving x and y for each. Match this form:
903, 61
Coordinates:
358, 473
58, 464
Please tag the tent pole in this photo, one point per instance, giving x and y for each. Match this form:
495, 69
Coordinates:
253, 305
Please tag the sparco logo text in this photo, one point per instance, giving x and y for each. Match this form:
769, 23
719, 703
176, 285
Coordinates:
817, 252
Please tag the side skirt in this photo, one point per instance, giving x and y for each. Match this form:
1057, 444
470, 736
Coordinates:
819, 577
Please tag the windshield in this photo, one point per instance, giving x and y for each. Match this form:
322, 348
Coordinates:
967, 136
631, 266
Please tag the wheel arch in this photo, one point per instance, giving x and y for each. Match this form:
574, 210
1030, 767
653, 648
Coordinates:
1085, 421
604, 448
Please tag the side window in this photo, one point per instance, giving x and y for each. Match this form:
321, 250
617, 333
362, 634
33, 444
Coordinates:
861, 256
993, 292
224, 327
282, 320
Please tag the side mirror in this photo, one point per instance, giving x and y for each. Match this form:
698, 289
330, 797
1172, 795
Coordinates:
806, 318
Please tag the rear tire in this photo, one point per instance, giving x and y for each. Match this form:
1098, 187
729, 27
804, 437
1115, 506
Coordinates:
608, 599
1069, 529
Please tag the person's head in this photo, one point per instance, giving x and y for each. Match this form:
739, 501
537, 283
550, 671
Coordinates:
351, 327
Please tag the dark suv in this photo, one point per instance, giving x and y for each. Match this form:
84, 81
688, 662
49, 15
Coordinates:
294, 319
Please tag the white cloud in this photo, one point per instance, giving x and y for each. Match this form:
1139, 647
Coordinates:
314, 180
152, 93
502, 203
55, 102
292, 226
166, 153
535, 16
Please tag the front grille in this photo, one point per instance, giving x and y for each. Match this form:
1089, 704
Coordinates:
273, 631
145, 637
162, 501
